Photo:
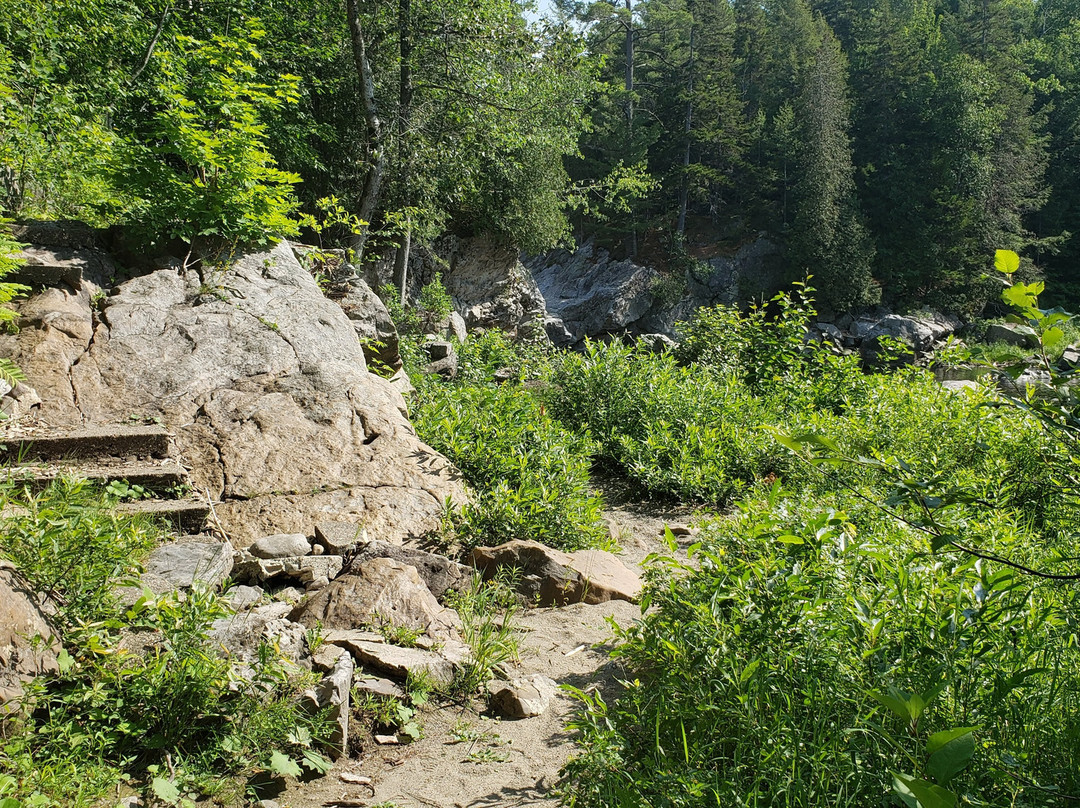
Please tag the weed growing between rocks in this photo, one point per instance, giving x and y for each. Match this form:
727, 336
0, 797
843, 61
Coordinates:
141, 695
487, 610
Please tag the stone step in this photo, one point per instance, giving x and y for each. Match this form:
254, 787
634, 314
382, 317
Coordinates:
156, 477
43, 266
181, 515
97, 441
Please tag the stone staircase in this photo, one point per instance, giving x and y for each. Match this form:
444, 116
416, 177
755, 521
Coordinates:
140, 457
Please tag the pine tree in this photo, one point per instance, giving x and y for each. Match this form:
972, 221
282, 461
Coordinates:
828, 238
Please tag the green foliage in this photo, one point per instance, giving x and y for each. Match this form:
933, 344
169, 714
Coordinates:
802, 658
9, 372
432, 307
435, 300
199, 168
70, 546
140, 687
487, 610
530, 477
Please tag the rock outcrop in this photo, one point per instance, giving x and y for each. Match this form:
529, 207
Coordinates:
260, 377
588, 293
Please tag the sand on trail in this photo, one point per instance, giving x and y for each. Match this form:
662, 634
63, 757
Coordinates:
504, 763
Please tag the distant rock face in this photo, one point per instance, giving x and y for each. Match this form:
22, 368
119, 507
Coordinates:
589, 294
261, 378
492, 289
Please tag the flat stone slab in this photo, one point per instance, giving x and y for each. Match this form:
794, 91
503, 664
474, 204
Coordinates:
183, 514
400, 662
150, 476
185, 563
99, 441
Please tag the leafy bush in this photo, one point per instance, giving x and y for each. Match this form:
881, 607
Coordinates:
677, 431
9, 372
202, 169
530, 476
774, 670
72, 548
141, 694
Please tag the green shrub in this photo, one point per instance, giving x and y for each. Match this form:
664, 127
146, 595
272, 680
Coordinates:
530, 477
72, 547
677, 431
173, 716
768, 672
202, 169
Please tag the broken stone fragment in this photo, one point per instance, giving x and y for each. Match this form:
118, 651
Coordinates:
522, 698
333, 692
376, 686
301, 568
339, 537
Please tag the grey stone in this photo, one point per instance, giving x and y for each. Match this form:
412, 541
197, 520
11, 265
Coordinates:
1012, 334
376, 686
188, 562
239, 637
522, 698
338, 537
960, 385
280, 545
326, 656
333, 693
440, 574
369, 317
302, 568
243, 597
447, 367
376, 591
438, 349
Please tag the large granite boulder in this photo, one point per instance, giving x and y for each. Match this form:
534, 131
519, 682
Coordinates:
262, 380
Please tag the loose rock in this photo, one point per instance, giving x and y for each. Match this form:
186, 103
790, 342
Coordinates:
281, 545
554, 578
378, 591
522, 698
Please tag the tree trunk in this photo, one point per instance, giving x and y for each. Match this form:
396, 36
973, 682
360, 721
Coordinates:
401, 262
376, 147
628, 81
684, 191
404, 121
